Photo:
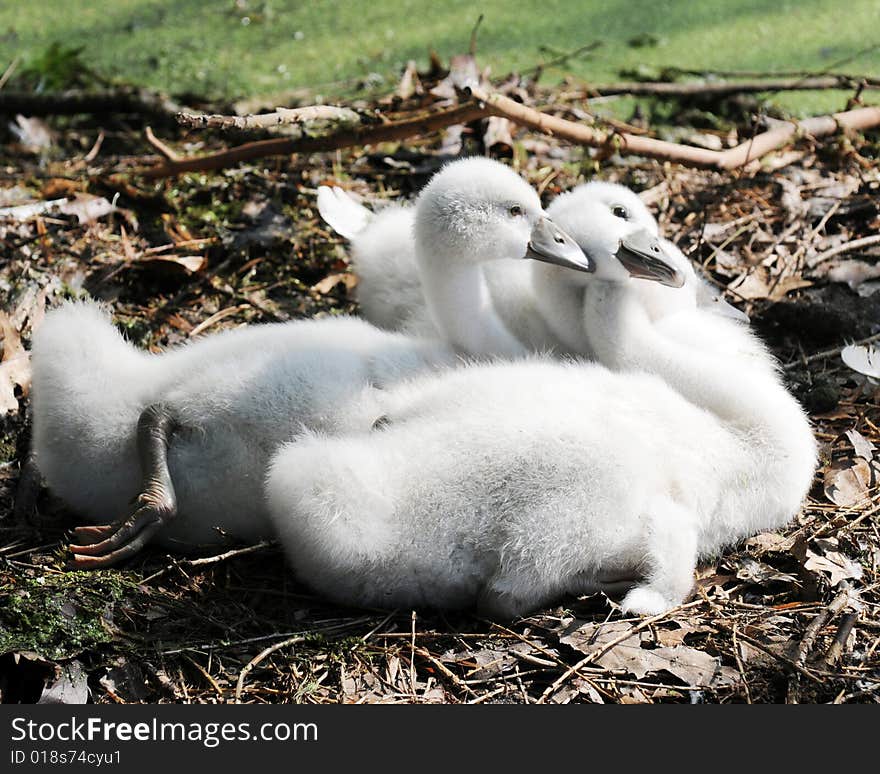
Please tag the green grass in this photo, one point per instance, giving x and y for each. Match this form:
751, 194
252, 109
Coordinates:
207, 47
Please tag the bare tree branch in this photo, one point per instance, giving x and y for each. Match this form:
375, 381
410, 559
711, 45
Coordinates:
283, 146
760, 145
484, 104
281, 116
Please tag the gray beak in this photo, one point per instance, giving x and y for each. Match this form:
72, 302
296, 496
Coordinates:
551, 244
714, 302
643, 256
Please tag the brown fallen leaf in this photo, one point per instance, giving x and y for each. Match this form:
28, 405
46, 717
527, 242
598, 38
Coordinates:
191, 263
755, 286
828, 559
850, 476
770, 541
332, 280
15, 366
56, 187
861, 445
753, 571
693, 667
409, 81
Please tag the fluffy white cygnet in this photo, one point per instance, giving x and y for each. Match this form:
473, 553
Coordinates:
509, 485
231, 398
424, 269
189, 433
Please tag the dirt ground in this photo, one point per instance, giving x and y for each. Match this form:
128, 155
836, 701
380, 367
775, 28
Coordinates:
791, 617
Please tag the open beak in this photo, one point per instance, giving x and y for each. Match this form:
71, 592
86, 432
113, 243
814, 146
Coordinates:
551, 244
643, 256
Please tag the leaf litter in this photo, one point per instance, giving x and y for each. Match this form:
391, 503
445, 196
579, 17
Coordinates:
205, 252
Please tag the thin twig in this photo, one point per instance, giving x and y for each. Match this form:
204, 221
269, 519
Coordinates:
838, 644
239, 686
725, 627
847, 247
828, 353
166, 151
819, 622
211, 559
723, 89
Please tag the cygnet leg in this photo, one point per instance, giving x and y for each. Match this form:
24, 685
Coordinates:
670, 558
109, 544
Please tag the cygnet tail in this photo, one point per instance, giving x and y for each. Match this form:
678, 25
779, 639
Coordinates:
342, 213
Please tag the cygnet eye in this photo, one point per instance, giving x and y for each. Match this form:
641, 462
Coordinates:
516, 211
619, 211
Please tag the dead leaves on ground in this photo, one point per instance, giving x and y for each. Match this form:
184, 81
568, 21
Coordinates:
853, 471
640, 653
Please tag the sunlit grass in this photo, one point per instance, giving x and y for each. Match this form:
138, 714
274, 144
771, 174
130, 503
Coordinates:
224, 48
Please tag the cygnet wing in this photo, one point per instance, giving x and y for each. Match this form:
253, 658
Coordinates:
342, 213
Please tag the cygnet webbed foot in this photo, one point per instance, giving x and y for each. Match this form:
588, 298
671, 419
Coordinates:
108, 544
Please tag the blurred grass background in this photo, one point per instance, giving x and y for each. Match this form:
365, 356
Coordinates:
236, 48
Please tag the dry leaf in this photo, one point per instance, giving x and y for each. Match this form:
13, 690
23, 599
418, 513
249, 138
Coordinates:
463, 72
692, 666
861, 445
15, 366
498, 133
770, 541
70, 685
192, 263
409, 81
56, 187
754, 286
839, 566
848, 482
332, 280
33, 133
752, 570
87, 208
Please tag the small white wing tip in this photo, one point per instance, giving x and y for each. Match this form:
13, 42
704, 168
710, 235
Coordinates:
342, 213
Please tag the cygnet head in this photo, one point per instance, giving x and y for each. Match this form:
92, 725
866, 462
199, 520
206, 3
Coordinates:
477, 210
617, 233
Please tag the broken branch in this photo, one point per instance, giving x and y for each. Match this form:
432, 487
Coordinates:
281, 117
758, 146
486, 104
360, 135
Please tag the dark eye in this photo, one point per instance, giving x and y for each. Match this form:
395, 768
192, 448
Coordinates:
516, 211
619, 211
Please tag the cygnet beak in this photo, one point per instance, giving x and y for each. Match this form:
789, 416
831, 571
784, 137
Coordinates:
644, 257
715, 302
551, 244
